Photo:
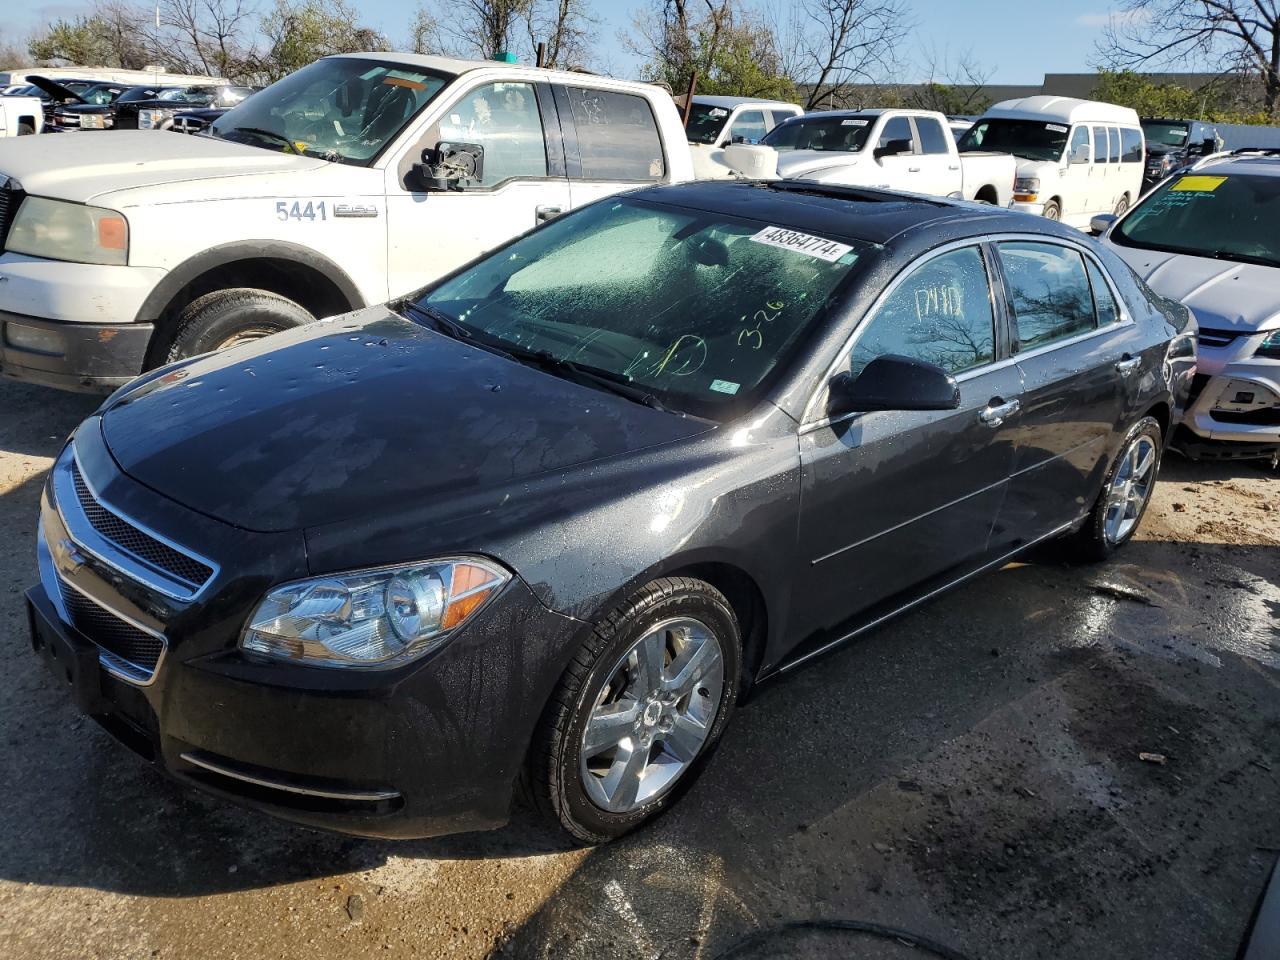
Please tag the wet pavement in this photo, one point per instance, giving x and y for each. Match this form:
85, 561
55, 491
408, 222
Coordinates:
969, 773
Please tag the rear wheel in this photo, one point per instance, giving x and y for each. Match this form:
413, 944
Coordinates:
638, 711
228, 318
1125, 494
1052, 211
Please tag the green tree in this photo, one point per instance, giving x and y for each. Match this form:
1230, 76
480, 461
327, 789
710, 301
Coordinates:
1220, 101
299, 32
85, 41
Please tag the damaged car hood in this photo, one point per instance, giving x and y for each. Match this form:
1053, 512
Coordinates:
1242, 297
369, 412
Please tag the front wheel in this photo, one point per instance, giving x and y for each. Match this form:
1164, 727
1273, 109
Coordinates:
1052, 211
638, 710
1125, 494
1122, 207
228, 318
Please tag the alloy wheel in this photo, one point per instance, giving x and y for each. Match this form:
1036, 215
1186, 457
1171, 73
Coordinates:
653, 715
1130, 487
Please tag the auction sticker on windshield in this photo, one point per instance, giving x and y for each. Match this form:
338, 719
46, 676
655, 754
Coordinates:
1198, 184
804, 243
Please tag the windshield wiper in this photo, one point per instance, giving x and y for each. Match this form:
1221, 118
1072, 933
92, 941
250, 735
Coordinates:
618, 383
269, 135
440, 320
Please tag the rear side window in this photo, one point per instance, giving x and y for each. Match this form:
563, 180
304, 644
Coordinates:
940, 313
898, 128
1113, 139
617, 136
749, 125
1131, 145
1049, 292
1099, 144
1104, 303
932, 137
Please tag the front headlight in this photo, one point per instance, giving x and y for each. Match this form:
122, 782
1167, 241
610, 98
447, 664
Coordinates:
147, 119
1270, 347
1026, 185
59, 230
371, 618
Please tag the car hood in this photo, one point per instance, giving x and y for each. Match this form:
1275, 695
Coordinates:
360, 415
56, 90
799, 163
1224, 296
62, 168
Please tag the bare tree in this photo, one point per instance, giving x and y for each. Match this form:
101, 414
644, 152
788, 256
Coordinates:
424, 32
207, 36
565, 27
830, 45
951, 85
480, 28
1232, 35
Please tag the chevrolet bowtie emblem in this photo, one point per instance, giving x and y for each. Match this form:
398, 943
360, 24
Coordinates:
73, 554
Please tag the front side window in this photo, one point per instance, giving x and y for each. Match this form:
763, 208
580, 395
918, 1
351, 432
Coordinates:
698, 308
1048, 290
940, 313
896, 129
932, 137
835, 134
1079, 138
1028, 139
1209, 215
749, 125
1130, 145
341, 109
617, 135
504, 119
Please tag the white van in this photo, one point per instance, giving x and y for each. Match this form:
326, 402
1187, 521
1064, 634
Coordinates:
1076, 158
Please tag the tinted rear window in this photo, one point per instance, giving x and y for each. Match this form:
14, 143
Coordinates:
617, 136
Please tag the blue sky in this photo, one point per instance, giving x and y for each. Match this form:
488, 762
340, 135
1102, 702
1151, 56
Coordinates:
1017, 41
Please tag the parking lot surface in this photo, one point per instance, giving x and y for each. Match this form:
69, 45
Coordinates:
970, 773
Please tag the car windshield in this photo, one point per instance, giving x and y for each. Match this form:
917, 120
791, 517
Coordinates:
840, 134
340, 109
100, 95
697, 309
1227, 217
1165, 134
1028, 139
142, 93
706, 122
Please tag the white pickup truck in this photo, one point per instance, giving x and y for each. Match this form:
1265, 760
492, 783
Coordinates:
909, 150
20, 116
353, 181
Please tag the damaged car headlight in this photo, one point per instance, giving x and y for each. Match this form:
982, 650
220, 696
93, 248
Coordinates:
1270, 347
371, 618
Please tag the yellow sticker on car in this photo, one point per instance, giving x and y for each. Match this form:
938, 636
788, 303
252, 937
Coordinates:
1198, 184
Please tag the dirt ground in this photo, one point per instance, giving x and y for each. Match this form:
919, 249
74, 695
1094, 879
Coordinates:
970, 773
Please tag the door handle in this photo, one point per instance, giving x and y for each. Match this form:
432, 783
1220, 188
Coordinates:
547, 213
913, 169
954, 166
1127, 365
995, 412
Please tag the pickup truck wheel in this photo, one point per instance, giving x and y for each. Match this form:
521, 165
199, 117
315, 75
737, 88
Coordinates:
26, 130
1052, 211
228, 318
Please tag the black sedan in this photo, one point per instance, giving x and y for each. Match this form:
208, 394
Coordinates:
552, 517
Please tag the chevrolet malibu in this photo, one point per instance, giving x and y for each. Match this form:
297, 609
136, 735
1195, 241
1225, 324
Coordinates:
544, 523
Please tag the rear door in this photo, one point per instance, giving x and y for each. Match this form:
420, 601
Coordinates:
611, 142
1069, 346
939, 165
890, 499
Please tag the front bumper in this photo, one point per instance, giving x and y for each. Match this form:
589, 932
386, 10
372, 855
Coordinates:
434, 747
1235, 399
1036, 209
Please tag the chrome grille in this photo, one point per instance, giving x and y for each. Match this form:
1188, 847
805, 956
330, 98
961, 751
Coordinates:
1217, 338
125, 649
188, 124
138, 543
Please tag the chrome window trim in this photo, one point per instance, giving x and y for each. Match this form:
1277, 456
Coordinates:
113, 555
144, 677
1125, 319
367, 796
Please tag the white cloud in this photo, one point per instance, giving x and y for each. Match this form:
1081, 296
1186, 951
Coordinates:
1114, 18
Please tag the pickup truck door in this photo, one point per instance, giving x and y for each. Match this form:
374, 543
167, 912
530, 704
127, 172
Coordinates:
899, 171
939, 164
611, 142
431, 232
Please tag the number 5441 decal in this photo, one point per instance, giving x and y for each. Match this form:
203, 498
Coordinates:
296, 211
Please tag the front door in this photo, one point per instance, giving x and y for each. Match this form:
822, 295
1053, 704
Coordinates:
890, 499
431, 232
899, 170
1077, 178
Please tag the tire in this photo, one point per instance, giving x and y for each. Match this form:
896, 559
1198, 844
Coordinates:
567, 780
1122, 206
26, 129
227, 318
1052, 211
1100, 536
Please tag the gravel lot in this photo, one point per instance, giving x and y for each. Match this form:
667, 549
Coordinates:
969, 773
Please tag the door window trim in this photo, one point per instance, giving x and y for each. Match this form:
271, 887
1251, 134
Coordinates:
1000, 304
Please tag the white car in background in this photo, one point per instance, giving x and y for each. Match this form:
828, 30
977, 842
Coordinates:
1210, 237
909, 150
716, 122
20, 116
1076, 158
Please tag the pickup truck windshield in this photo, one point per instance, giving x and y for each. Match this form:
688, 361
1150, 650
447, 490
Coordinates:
340, 109
706, 122
840, 134
1165, 134
696, 309
1028, 139
1224, 217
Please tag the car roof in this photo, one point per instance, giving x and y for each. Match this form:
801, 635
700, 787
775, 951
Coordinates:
1065, 109
457, 65
872, 216
739, 101
1260, 162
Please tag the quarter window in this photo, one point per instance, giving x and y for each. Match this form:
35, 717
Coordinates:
1131, 145
1049, 292
932, 139
1103, 302
617, 136
750, 126
504, 119
940, 313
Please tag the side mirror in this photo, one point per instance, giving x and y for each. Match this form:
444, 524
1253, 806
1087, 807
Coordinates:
1101, 223
449, 166
892, 148
893, 382
737, 138
1209, 145
1080, 154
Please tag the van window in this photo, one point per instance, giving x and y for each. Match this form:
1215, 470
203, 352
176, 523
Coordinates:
617, 135
1028, 139
1131, 145
1099, 144
1080, 138
1113, 136
932, 137
1049, 292
504, 119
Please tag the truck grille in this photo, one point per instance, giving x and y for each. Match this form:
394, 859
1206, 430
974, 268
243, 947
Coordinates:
139, 543
188, 124
10, 197
125, 649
